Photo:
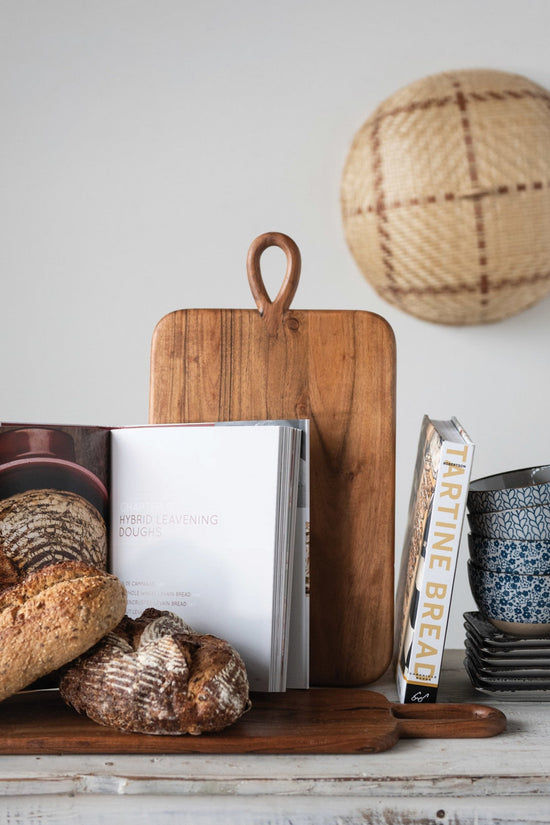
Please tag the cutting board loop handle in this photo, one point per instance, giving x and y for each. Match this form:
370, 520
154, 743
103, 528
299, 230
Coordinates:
440, 720
273, 311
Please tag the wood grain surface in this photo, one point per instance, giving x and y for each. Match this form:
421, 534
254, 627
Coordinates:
336, 368
331, 720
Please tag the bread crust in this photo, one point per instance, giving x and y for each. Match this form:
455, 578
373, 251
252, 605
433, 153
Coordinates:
156, 675
43, 527
52, 616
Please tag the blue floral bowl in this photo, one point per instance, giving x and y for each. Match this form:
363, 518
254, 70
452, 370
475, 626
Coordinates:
516, 603
505, 491
522, 523
510, 556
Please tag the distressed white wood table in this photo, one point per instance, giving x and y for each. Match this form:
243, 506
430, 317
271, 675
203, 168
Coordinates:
505, 779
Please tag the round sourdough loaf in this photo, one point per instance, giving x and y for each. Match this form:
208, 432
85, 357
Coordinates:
43, 527
156, 675
52, 616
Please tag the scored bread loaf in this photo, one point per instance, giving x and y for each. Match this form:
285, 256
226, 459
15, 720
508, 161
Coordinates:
42, 527
51, 616
156, 675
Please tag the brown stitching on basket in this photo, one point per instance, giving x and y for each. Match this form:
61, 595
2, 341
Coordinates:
380, 204
537, 185
457, 289
536, 278
507, 94
417, 106
478, 97
474, 178
443, 289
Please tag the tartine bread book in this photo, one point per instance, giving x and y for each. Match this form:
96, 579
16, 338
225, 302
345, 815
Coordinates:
209, 521
428, 564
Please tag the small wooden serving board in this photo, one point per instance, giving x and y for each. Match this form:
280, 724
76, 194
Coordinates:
330, 720
336, 368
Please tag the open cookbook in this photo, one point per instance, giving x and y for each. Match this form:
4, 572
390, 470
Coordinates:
208, 521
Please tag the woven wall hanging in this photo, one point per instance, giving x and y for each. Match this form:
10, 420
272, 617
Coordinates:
446, 197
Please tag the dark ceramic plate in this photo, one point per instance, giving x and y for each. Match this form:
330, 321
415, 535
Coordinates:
518, 690
514, 668
494, 638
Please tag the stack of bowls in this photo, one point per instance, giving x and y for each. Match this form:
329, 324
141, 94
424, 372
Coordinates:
509, 546
509, 543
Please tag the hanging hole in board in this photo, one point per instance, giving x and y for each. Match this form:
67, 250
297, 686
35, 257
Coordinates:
273, 263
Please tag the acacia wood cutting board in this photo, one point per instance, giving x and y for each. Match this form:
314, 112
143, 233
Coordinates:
336, 368
328, 720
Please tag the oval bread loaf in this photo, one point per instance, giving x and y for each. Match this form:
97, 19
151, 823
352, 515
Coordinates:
156, 675
52, 616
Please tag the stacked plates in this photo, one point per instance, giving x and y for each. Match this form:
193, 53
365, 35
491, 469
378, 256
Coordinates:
506, 666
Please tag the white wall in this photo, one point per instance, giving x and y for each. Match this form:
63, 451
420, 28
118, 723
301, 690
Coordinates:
145, 144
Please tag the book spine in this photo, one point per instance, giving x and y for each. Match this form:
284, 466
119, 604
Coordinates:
420, 664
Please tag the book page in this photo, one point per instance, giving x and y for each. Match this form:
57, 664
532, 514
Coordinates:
299, 625
193, 527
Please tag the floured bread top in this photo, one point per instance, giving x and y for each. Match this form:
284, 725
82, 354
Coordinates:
156, 675
42, 527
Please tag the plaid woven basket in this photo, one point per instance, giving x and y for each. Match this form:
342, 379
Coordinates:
446, 197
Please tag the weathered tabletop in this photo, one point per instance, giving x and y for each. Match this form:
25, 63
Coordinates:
504, 779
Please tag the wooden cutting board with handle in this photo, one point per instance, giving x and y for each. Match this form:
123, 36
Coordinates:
336, 368
328, 720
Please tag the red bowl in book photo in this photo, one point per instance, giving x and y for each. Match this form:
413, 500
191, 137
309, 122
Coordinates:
44, 458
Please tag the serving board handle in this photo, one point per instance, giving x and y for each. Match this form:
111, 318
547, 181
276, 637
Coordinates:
272, 311
454, 721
